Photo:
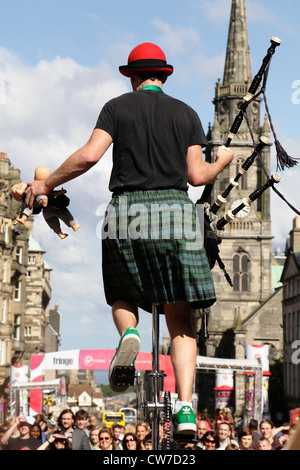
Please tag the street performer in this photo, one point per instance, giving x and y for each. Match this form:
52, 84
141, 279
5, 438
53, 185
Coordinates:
157, 150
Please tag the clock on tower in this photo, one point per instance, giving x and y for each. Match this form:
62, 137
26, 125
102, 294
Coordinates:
243, 212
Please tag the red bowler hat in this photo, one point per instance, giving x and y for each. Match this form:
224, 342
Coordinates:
144, 58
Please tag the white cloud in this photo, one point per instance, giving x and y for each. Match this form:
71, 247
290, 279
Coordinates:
176, 39
257, 12
192, 65
50, 111
218, 11
215, 10
51, 108
282, 215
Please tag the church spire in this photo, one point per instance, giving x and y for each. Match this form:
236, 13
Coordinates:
238, 63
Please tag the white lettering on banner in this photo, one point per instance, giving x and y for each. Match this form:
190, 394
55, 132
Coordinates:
61, 360
90, 361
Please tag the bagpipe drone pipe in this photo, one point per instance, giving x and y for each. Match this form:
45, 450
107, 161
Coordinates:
213, 227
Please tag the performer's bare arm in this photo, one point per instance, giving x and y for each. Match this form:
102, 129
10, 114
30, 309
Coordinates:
77, 164
201, 172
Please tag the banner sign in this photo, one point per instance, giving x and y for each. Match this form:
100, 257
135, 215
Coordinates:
93, 359
96, 359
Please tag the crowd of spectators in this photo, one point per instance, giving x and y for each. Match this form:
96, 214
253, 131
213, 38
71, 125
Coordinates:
80, 431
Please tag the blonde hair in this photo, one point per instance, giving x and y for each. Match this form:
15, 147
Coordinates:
130, 428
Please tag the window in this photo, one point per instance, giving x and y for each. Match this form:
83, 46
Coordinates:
19, 254
285, 327
4, 274
294, 326
6, 237
17, 327
289, 327
31, 259
27, 331
2, 353
4, 311
241, 272
17, 295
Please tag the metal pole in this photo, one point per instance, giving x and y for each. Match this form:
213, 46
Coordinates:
155, 378
258, 406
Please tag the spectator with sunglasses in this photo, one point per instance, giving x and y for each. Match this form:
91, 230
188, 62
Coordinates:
106, 439
130, 442
210, 441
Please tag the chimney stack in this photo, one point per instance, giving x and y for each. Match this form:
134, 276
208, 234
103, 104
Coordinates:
295, 235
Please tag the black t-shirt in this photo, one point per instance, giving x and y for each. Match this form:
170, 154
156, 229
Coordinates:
24, 444
151, 132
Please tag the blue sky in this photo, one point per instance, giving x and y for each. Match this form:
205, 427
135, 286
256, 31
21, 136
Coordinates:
58, 66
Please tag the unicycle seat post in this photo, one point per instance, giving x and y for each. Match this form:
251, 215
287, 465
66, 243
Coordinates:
155, 378
156, 407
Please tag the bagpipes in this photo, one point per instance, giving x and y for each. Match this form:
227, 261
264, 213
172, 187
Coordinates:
246, 202
212, 226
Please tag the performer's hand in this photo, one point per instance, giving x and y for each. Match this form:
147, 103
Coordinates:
34, 189
224, 155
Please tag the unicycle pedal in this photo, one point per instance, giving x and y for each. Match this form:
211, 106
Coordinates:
123, 375
182, 438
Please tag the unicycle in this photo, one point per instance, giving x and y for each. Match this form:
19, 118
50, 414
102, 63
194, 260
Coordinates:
159, 411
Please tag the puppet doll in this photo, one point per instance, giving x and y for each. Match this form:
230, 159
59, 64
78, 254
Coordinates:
53, 205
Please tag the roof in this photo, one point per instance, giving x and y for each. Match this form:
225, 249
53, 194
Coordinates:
46, 266
77, 390
297, 258
33, 245
276, 273
288, 269
278, 292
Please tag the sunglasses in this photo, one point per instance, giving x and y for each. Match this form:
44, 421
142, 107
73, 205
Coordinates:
129, 440
104, 438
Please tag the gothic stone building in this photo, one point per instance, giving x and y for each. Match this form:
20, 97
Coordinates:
250, 312
25, 289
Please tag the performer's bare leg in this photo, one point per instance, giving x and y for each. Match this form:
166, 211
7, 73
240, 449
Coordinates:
126, 319
181, 327
125, 315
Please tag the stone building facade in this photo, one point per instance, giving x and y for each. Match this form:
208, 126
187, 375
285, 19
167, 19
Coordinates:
25, 290
291, 317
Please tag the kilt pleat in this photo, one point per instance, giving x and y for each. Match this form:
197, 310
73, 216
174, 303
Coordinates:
152, 251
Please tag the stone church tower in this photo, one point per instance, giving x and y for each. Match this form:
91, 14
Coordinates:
246, 248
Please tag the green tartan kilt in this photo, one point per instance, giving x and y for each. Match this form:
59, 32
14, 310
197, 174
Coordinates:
152, 251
